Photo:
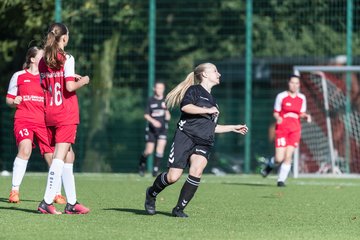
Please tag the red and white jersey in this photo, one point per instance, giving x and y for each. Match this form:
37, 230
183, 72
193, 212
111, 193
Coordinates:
31, 108
61, 106
290, 109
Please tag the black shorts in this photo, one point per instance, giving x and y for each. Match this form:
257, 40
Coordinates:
152, 135
182, 148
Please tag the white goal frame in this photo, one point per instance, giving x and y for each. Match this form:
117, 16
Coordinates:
335, 171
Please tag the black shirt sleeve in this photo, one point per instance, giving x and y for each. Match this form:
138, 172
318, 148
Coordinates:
189, 97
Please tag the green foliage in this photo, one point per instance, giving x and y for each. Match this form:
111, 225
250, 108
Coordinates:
109, 40
22, 24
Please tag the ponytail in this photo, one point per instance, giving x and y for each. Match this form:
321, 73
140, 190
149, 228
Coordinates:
175, 96
52, 49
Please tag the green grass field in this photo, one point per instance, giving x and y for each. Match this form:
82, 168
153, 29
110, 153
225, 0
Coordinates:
228, 207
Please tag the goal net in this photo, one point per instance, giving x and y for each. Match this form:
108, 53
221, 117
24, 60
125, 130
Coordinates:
330, 144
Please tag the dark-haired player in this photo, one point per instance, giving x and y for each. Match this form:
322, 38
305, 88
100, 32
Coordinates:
289, 108
26, 95
157, 116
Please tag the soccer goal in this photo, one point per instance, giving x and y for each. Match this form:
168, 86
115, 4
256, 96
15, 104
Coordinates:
330, 144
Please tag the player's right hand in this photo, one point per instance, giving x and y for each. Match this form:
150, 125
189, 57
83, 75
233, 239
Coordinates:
156, 123
213, 110
17, 100
85, 80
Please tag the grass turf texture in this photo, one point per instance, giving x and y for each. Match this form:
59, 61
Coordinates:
228, 207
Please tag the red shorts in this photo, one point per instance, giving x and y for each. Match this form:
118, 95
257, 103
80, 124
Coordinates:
284, 138
62, 134
24, 131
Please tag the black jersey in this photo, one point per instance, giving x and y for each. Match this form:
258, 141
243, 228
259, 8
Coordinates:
199, 127
156, 109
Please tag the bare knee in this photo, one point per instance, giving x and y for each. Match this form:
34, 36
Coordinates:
173, 177
24, 153
196, 172
279, 159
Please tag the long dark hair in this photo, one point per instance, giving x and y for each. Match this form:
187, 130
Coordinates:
31, 53
51, 46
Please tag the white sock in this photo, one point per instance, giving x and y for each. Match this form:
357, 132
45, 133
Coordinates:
58, 189
54, 177
69, 183
284, 172
19, 170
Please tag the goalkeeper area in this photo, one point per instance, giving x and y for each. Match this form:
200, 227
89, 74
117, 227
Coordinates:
330, 145
226, 207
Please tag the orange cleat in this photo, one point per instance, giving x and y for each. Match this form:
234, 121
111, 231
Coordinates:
60, 199
14, 196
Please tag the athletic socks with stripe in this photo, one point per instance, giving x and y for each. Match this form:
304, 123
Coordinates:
159, 184
187, 192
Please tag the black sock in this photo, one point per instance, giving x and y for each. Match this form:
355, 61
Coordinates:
142, 160
157, 160
188, 191
268, 169
159, 184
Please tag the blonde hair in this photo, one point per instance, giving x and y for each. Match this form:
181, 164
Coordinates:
174, 97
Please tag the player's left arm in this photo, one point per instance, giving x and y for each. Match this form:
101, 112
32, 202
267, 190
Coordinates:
73, 80
303, 113
242, 129
77, 83
13, 102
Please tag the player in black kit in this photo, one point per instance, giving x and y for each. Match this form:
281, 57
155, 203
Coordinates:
157, 116
194, 136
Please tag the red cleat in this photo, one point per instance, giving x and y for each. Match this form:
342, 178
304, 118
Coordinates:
14, 196
77, 208
47, 208
60, 199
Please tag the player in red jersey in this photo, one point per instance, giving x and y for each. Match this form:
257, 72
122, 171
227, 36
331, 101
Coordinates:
26, 94
59, 81
289, 108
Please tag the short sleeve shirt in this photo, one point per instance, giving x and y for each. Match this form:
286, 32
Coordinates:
199, 127
31, 108
61, 106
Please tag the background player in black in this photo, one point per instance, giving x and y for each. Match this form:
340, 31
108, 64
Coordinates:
194, 136
157, 116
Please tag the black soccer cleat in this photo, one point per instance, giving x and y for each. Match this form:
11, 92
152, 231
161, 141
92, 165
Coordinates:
149, 203
281, 184
155, 171
266, 171
177, 212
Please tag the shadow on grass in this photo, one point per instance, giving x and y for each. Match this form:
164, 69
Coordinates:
19, 209
250, 184
136, 211
6, 200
